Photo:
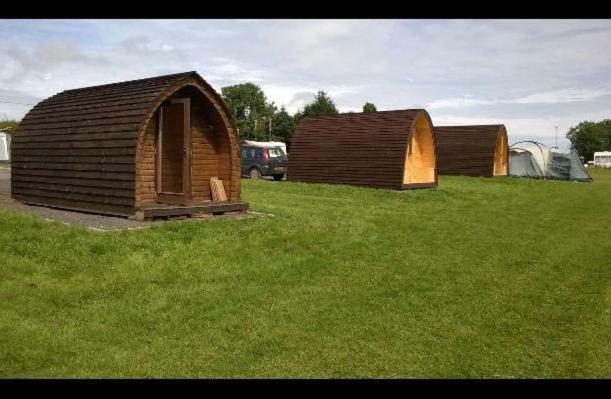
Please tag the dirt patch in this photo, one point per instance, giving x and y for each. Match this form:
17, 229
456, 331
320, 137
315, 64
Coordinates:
89, 220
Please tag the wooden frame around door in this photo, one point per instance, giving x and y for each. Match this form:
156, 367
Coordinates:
185, 196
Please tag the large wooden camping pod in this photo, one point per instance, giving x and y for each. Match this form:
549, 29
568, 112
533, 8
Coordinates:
387, 149
141, 148
477, 150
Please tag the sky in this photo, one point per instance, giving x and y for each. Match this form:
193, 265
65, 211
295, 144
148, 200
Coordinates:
530, 75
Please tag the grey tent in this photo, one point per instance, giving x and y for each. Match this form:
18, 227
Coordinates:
535, 160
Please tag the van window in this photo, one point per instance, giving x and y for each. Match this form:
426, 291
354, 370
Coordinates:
276, 152
248, 152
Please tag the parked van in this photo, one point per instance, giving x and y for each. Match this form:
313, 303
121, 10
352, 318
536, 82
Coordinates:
259, 161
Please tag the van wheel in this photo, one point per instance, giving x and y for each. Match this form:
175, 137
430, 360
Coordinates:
279, 177
254, 173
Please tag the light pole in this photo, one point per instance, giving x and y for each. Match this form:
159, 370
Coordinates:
556, 136
270, 128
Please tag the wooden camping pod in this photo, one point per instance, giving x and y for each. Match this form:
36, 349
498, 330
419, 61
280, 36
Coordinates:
477, 150
386, 149
121, 147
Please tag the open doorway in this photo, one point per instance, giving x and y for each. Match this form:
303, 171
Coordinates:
501, 155
420, 158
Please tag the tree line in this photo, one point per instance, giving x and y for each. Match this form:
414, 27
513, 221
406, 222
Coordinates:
9, 125
590, 137
253, 114
259, 119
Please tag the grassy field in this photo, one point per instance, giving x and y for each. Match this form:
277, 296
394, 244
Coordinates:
478, 278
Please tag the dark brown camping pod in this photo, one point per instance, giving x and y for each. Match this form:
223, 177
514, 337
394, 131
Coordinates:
143, 148
387, 149
478, 150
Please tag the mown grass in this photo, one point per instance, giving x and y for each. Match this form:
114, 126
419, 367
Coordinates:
478, 278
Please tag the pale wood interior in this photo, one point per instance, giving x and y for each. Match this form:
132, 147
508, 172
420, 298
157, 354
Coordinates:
420, 159
501, 161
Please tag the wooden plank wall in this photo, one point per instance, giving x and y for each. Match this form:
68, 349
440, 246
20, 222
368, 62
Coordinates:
78, 149
232, 183
354, 148
468, 150
210, 153
145, 171
205, 151
224, 145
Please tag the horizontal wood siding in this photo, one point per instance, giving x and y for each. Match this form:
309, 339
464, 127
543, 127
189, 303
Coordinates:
467, 150
355, 148
204, 154
145, 170
82, 149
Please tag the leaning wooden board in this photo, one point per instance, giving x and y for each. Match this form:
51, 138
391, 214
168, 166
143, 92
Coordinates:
218, 190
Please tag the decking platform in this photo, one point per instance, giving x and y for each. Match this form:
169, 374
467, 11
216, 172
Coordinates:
194, 209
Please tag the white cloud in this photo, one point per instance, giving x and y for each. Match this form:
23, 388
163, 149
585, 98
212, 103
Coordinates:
295, 98
562, 96
457, 102
528, 74
547, 97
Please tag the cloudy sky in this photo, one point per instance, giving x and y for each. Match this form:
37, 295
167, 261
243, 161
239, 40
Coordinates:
530, 75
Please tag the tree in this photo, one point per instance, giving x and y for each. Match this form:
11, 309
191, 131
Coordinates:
369, 107
9, 124
588, 137
322, 105
249, 108
283, 125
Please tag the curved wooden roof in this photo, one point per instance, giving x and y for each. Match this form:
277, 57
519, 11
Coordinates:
117, 109
367, 149
80, 146
467, 150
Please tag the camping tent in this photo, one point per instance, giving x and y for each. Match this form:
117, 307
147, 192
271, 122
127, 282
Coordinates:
535, 160
5, 146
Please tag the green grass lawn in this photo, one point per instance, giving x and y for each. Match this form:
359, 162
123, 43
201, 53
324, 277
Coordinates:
478, 278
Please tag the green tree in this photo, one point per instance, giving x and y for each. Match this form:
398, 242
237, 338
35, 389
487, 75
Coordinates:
369, 107
588, 137
322, 105
249, 108
283, 125
9, 124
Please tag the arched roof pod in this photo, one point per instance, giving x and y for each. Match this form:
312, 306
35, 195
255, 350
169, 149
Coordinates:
387, 149
475, 150
83, 148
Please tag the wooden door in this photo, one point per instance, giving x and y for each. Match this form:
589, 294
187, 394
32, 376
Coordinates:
173, 166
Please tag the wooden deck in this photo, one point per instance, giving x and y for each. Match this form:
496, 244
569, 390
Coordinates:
198, 208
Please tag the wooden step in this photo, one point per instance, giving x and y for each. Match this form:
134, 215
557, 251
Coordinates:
159, 210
